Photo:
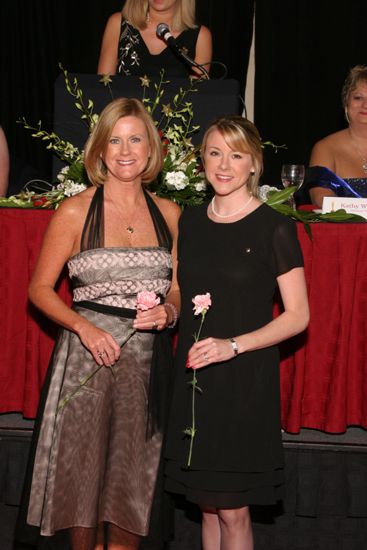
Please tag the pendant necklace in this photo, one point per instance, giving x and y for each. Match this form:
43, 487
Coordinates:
212, 204
127, 224
363, 158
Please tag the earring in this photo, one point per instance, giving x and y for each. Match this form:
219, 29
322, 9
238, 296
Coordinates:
346, 115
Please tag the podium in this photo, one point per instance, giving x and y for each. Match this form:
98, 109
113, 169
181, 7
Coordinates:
212, 98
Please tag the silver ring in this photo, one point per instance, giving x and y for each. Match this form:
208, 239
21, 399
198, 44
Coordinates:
155, 324
101, 353
206, 358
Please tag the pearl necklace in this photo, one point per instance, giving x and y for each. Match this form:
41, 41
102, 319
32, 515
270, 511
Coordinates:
212, 204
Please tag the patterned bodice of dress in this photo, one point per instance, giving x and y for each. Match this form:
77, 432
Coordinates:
359, 185
114, 276
134, 58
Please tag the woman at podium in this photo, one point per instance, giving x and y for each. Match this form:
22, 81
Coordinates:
131, 46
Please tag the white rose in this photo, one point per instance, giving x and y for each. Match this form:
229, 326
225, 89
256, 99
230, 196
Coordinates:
177, 180
201, 186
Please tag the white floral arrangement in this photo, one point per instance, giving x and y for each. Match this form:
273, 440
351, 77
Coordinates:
181, 179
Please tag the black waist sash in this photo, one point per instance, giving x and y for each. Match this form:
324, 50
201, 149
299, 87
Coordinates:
160, 369
126, 312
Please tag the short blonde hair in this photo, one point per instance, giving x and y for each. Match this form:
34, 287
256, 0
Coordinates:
135, 11
240, 135
98, 140
356, 75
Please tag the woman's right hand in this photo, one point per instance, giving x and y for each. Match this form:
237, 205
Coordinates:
101, 344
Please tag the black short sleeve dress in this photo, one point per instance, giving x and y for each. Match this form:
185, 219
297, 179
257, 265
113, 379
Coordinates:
237, 454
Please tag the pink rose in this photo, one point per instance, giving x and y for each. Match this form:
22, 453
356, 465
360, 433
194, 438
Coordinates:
201, 302
146, 300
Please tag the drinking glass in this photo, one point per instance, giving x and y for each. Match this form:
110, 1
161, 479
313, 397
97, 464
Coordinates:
292, 174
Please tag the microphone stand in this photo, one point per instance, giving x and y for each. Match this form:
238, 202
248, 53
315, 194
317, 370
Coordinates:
164, 33
194, 64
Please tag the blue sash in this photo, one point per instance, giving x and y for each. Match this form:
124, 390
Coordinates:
319, 176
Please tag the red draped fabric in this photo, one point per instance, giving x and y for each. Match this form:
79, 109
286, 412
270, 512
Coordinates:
27, 336
323, 371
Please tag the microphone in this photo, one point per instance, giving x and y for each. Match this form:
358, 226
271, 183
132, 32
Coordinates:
164, 33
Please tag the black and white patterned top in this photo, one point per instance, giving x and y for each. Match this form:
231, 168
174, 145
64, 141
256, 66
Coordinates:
134, 58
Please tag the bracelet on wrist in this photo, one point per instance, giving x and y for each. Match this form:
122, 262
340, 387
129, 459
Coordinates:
174, 314
234, 345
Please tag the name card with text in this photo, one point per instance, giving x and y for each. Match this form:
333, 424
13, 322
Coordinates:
350, 205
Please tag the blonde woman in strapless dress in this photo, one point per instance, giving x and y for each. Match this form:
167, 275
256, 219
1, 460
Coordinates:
99, 448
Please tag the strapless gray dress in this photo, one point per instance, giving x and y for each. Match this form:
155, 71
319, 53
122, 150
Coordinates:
94, 460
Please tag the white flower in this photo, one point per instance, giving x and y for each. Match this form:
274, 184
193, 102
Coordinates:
201, 186
177, 154
69, 187
74, 189
264, 191
176, 180
61, 176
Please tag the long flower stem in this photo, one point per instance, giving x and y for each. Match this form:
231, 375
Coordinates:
193, 425
86, 379
192, 429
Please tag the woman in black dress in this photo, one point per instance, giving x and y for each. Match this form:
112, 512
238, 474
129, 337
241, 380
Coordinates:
131, 47
240, 251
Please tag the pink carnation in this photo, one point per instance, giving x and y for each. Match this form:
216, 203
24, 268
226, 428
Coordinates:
201, 302
146, 300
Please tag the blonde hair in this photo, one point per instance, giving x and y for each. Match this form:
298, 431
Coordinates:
135, 11
97, 143
240, 135
356, 75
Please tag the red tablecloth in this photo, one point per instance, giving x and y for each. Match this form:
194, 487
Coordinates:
27, 336
323, 371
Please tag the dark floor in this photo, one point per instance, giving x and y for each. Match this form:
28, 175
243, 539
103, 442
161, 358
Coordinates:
325, 507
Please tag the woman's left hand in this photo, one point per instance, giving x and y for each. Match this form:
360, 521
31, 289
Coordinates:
155, 318
208, 351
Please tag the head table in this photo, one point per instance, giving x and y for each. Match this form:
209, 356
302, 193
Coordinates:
323, 371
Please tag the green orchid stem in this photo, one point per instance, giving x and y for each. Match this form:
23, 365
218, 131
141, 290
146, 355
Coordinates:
194, 386
86, 379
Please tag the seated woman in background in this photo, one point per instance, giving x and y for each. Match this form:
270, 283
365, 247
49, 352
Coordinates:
338, 163
4, 164
130, 45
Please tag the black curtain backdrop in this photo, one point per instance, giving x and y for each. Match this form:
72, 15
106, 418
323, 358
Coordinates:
304, 50
35, 35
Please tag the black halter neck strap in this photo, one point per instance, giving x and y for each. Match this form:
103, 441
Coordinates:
93, 230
